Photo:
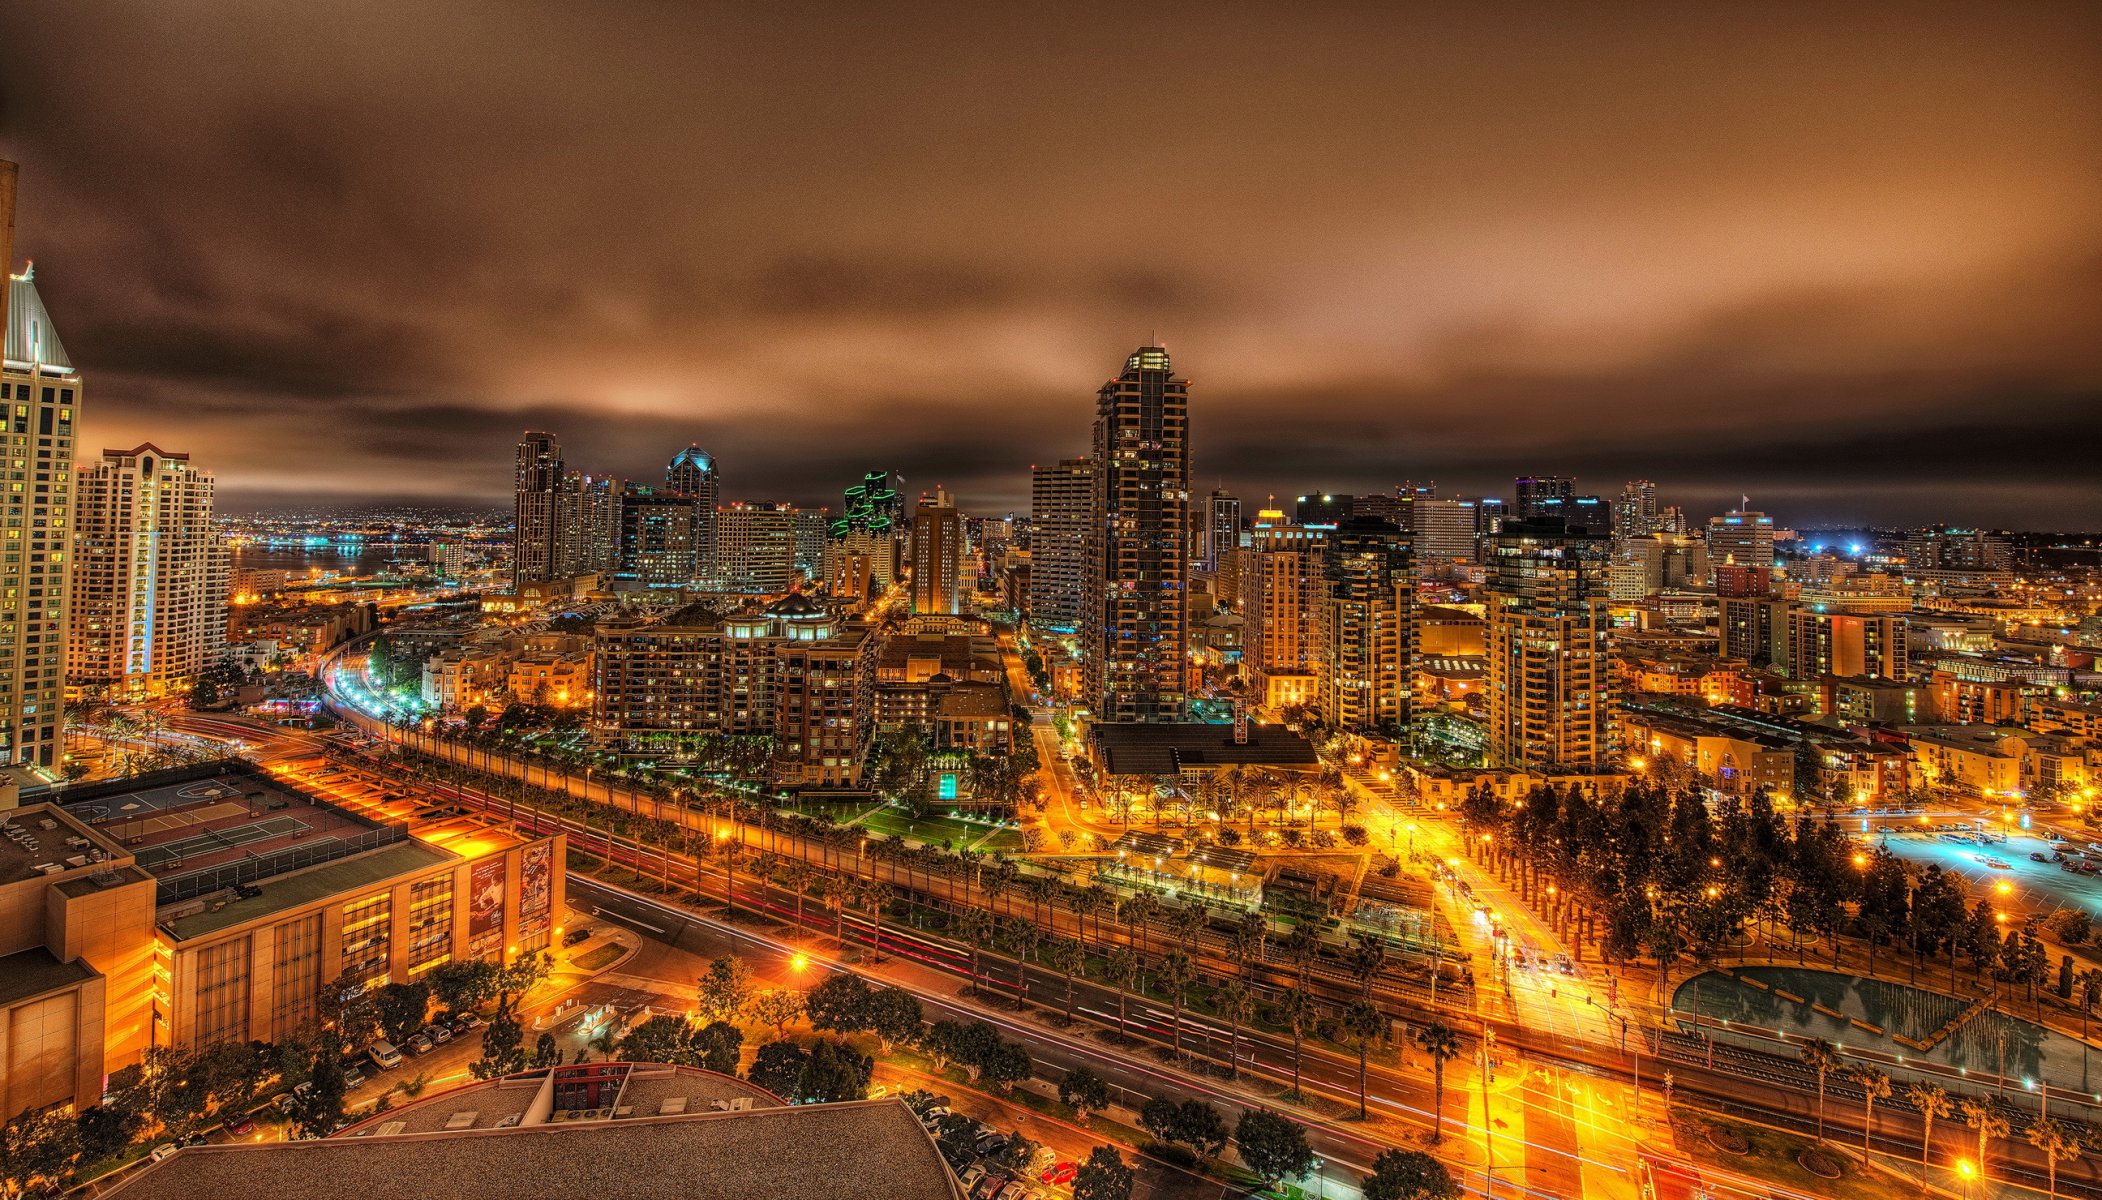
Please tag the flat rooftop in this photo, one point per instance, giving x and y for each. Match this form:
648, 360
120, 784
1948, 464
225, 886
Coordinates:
1132, 748
277, 893
43, 839
35, 971
593, 1091
869, 1148
199, 834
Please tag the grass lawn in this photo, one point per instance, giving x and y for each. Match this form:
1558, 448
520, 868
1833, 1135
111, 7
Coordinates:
599, 957
1772, 1159
936, 830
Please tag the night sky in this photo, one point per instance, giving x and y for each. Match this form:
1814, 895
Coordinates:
1844, 258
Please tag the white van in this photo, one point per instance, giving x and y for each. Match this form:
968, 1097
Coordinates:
384, 1055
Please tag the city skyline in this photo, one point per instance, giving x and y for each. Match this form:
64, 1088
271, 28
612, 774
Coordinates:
1832, 282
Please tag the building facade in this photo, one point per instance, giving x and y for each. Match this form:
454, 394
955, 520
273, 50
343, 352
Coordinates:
1061, 497
938, 559
1368, 640
150, 582
1550, 679
1135, 624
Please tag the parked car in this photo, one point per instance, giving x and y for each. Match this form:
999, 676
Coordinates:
438, 1034
574, 936
419, 1044
194, 1138
352, 1077
1059, 1173
463, 1022
240, 1125
285, 1102
164, 1150
385, 1055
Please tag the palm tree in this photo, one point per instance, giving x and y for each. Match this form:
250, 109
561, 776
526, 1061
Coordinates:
1931, 1101
1246, 941
1295, 1009
1068, 957
796, 875
1367, 954
974, 927
2055, 1141
1365, 1021
1236, 1004
729, 848
876, 896
1300, 947
1438, 1040
1023, 938
1875, 1085
1983, 1117
1819, 1056
1176, 972
1118, 971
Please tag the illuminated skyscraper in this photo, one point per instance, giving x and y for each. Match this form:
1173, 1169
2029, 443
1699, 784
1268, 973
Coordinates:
1444, 530
1061, 504
756, 547
1743, 538
41, 393
692, 473
657, 538
1367, 636
1221, 529
1550, 682
937, 558
537, 483
1283, 605
149, 575
1135, 623
1537, 494
1635, 513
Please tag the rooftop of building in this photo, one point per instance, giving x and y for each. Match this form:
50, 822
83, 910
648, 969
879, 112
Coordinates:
1987, 739
1131, 748
32, 341
35, 971
964, 701
43, 839
623, 1091
869, 1148
279, 893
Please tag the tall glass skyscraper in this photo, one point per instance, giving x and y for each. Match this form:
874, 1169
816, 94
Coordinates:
1135, 625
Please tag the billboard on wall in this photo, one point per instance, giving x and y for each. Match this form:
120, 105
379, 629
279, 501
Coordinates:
485, 898
536, 891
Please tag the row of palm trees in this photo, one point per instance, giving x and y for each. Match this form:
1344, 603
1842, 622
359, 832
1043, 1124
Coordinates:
2056, 1140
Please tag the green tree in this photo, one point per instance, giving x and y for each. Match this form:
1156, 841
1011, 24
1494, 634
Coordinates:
1274, 1147
1986, 1121
1874, 1085
1085, 1091
659, 1040
463, 985
778, 1007
718, 1047
1176, 971
1007, 1065
1200, 1127
545, 1053
1103, 1176
834, 1072
1236, 1004
1409, 1175
1442, 1044
1295, 1010
1119, 970
841, 1004
724, 992
778, 1068
503, 1044
895, 1016
36, 1151
402, 1008
1364, 1023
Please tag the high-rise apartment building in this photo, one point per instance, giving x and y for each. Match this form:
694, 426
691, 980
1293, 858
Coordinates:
149, 574
937, 558
1061, 499
1550, 694
1635, 513
1368, 641
588, 537
1282, 600
536, 522
41, 393
1847, 644
692, 473
1741, 538
1958, 550
1220, 530
1535, 492
1135, 624
1646, 565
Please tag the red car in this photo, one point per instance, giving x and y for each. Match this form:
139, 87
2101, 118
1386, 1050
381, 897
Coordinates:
240, 1125
1060, 1172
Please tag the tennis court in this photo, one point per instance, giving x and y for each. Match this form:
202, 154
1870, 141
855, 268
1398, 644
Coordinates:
155, 808
212, 841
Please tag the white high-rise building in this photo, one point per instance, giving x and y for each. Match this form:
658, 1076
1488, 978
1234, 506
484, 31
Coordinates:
149, 575
40, 398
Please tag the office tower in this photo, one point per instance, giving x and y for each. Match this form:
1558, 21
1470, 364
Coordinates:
1322, 508
1846, 644
149, 575
813, 535
1221, 527
1392, 507
692, 474
861, 556
1743, 538
1135, 624
755, 547
1367, 628
937, 558
537, 482
1282, 599
1444, 530
1635, 513
1550, 696
1061, 497
1644, 566
1490, 514
659, 538
41, 392
1535, 492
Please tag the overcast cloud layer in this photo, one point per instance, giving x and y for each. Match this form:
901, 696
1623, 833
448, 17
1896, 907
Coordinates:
1844, 258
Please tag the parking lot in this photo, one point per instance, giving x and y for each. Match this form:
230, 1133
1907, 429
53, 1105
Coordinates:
2033, 887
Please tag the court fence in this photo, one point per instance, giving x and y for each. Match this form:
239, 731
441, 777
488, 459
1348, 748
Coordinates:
262, 866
